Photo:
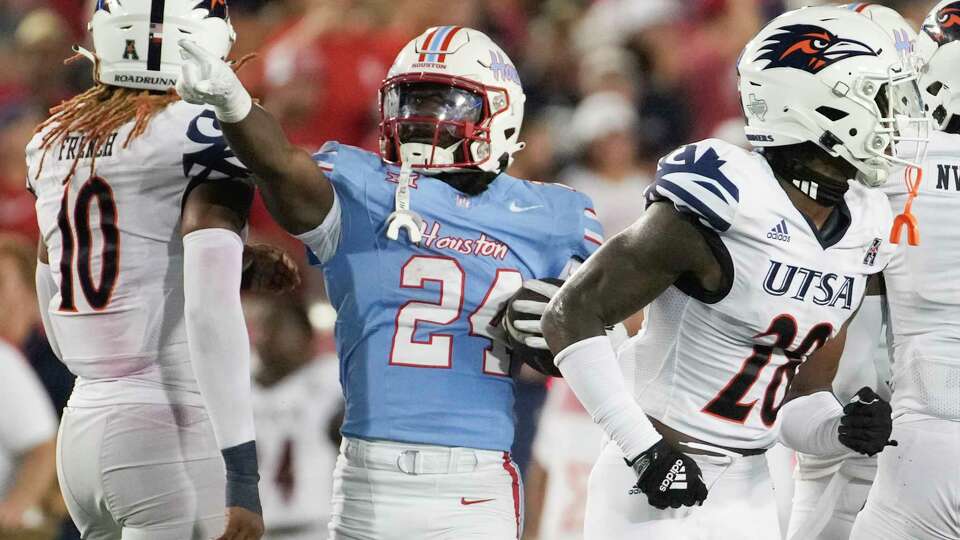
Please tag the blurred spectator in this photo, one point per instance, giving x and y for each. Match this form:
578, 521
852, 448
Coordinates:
17, 215
27, 424
604, 129
42, 42
567, 445
298, 411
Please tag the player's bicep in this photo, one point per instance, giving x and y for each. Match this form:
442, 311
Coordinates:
628, 272
220, 204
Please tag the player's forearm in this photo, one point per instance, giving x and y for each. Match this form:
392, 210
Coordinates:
216, 331
35, 475
220, 353
294, 188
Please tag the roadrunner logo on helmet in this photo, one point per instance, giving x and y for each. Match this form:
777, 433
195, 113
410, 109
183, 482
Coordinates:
452, 101
834, 78
938, 46
135, 41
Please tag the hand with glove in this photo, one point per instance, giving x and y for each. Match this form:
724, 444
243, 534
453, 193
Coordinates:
206, 79
668, 477
520, 321
866, 423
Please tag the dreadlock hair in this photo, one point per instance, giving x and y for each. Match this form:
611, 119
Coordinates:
101, 111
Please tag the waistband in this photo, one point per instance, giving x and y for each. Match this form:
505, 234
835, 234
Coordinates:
417, 459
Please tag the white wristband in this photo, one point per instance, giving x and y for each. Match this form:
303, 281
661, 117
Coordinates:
811, 423
236, 108
590, 368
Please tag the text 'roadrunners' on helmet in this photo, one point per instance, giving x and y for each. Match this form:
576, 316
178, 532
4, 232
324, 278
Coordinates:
135, 41
938, 46
834, 78
452, 101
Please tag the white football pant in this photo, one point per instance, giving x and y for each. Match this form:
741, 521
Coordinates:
141, 472
826, 504
740, 503
398, 491
917, 492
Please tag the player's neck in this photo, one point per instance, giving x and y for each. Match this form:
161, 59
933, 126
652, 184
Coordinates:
815, 212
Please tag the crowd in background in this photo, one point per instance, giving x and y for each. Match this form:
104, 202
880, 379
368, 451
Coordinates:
611, 86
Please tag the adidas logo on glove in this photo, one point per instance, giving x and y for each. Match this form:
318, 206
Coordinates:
676, 478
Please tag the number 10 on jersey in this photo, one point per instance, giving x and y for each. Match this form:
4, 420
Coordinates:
436, 351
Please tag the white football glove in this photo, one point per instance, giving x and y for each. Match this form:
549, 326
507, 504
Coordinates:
205, 79
530, 331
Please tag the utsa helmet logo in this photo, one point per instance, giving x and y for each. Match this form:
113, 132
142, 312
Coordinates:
809, 48
216, 8
946, 28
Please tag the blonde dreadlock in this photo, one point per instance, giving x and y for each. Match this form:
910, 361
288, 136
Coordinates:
101, 111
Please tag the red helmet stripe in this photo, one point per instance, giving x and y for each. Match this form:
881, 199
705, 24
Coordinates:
426, 44
446, 42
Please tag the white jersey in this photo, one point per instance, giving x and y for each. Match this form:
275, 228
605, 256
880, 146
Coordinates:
923, 291
27, 419
567, 445
295, 452
716, 366
116, 253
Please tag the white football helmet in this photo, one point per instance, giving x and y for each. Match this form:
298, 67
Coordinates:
830, 76
451, 101
903, 35
136, 40
938, 46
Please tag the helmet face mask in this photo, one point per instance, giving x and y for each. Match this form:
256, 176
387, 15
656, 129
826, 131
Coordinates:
452, 102
137, 47
830, 76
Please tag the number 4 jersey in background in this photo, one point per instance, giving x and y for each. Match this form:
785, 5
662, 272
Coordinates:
116, 253
417, 362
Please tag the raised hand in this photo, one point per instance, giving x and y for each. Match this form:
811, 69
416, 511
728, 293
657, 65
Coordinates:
206, 79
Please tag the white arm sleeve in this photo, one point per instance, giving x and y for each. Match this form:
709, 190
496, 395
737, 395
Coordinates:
324, 240
46, 288
216, 331
811, 424
590, 368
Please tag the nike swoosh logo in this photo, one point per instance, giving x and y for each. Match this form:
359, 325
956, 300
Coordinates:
514, 207
467, 502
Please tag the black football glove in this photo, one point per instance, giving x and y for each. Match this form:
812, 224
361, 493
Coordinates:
669, 477
866, 424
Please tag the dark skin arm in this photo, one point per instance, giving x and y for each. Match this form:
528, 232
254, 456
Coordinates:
817, 372
628, 272
295, 190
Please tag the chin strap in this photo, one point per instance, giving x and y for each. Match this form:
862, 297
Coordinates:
402, 217
912, 177
823, 192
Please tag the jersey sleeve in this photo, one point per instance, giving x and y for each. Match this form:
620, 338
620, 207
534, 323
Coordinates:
206, 155
584, 231
20, 390
693, 178
322, 242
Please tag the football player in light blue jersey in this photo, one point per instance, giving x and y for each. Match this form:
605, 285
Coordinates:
420, 246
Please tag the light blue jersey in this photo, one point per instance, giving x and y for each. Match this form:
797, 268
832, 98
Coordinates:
417, 363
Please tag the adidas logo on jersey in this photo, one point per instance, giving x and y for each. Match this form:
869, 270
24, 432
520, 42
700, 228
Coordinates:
676, 478
779, 232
